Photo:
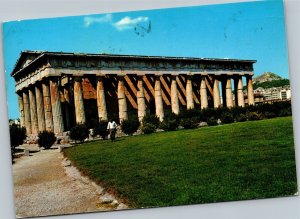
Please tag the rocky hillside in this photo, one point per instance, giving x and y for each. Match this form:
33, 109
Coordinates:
268, 76
268, 80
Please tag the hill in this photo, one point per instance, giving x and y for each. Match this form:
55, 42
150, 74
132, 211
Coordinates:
268, 76
268, 80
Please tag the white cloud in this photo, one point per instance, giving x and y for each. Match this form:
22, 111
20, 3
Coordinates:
88, 21
128, 23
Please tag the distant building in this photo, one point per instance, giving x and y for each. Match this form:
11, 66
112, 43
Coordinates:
274, 93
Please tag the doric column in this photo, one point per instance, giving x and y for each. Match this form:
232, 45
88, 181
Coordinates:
159, 107
189, 93
141, 99
33, 112
250, 90
21, 109
27, 117
122, 100
78, 101
66, 94
174, 96
203, 93
216, 93
101, 103
47, 106
40, 108
239, 92
229, 97
58, 124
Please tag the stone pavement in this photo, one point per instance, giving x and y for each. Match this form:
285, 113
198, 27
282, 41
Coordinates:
46, 184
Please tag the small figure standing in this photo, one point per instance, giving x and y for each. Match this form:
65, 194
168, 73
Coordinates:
112, 128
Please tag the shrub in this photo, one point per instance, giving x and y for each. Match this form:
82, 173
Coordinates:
227, 117
130, 126
148, 128
241, 118
285, 112
79, 132
17, 137
189, 123
268, 114
212, 121
46, 139
170, 123
254, 116
101, 129
151, 119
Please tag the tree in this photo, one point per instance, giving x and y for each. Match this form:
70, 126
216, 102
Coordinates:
17, 137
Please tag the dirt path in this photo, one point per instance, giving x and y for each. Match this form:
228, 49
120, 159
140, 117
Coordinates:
46, 184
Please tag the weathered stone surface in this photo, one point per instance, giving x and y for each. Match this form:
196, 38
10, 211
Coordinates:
189, 93
240, 94
158, 100
216, 93
47, 106
40, 108
174, 96
141, 99
229, 98
101, 102
21, 109
78, 101
203, 94
33, 113
58, 125
122, 100
250, 90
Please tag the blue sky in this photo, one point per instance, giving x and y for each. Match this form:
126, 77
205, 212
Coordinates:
253, 30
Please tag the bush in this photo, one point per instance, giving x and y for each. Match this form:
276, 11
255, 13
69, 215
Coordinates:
148, 128
151, 119
170, 123
101, 129
189, 123
241, 118
17, 137
130, 126
254, 116
212, 121
46, 139
79, 133
227, 117
268, 114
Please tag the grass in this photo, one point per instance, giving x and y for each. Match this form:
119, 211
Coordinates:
237, 161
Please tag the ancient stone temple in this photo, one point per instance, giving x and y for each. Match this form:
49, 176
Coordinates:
56, 90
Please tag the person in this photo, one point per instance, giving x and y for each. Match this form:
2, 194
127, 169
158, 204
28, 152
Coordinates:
112, 128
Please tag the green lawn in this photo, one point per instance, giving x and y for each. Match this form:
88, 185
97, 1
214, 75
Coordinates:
224, 163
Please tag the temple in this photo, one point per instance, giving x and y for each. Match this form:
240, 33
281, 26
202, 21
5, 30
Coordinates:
56, 90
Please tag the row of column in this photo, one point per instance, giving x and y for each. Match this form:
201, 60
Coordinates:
40, 106
141, 104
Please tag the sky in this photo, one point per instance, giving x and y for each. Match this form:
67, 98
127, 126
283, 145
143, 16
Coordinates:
251, 30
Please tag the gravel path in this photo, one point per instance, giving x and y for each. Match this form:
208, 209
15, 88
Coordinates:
46, 184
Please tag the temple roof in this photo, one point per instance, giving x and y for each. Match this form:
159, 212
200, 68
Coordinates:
28, 58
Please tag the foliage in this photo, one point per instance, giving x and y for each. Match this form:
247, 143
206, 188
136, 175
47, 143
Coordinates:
79, 133
170, 123
151, 119
212, 121
273, 83
254, 116
189, 123
46, 139
130, 126
17, 137
101, 129
227, 117
148, 128
241, 118
156, 170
